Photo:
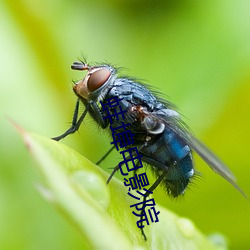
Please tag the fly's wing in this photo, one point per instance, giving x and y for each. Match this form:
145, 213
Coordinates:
212, 160
175, 124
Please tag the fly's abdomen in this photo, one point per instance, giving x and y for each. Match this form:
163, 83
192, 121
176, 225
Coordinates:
174, 157
178, 176
180, 166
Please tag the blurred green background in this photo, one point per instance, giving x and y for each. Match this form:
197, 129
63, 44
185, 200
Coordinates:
195, 52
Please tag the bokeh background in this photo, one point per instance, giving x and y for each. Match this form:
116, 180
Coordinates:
195, 52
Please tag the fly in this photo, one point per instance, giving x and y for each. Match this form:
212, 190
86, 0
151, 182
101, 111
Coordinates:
162, 138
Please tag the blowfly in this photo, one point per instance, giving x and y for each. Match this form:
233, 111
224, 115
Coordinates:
161, 136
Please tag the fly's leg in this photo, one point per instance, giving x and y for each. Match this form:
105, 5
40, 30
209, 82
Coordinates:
105, 156
150, 190
98, 114
75, 124
136, 170
116, 168
112, 174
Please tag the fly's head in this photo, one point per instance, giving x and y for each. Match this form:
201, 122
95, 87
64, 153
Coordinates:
94, 82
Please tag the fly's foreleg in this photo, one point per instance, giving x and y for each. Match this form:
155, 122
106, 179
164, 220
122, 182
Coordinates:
75, 123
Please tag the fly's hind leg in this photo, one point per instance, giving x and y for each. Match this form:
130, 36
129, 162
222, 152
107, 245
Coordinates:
148, 192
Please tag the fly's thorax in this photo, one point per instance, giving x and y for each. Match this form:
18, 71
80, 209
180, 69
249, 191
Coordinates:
154, 122
95, 84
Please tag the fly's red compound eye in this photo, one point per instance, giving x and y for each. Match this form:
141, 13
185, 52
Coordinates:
97, 79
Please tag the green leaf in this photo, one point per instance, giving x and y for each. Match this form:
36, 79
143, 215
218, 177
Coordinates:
102, 213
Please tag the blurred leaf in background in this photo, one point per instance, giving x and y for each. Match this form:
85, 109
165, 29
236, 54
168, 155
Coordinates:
197, 53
